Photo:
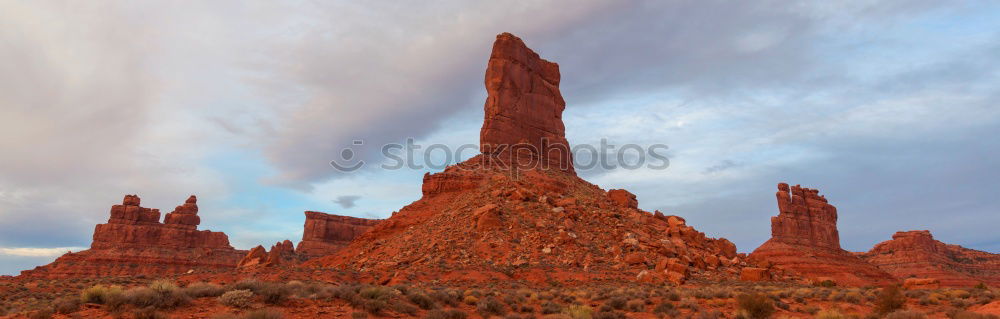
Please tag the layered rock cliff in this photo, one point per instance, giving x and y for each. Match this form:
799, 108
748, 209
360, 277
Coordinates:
916, 254
805, 242
325, 234
134, 242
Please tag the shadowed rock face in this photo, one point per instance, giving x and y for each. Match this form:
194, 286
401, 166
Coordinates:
916, 254
804, 241
523, 108
325, 234
134, 242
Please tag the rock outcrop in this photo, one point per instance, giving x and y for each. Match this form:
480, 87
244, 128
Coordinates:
281, 253
916, 254
134, 242
523, 123
805, 242
483, 222
325, 234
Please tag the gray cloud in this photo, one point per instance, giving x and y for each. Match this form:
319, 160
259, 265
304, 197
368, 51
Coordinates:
346, 201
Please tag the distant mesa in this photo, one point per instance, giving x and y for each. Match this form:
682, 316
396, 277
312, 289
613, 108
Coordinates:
916, 254
134, 242
805, 242
325, 234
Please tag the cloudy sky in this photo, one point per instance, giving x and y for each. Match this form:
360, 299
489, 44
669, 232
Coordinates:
890, 108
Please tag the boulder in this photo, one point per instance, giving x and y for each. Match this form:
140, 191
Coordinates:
623, 198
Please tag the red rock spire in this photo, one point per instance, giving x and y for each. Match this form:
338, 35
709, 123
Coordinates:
524, 108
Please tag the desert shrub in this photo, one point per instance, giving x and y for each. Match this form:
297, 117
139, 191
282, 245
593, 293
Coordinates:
549, 307
147, 313
708, 315
579, 312
41, 314
263, 314
636, 305
490, 306
241, 298
827, 283
359, 315
100, 294
889, 300
905, 314
962, 314
663, 307
203, 289
853, 297
273, 293
404, 308
446, 314
755, 306
66, 305
448, 297
159, 297
423, 301
609, 315
375, 292
247, 284
959, 303
617, 302
830, 314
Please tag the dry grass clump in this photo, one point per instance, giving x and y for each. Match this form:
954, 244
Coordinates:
101, 294
203, 289
906, 314
579, 312
66, 305
889, 300
490, 306
241, 298
446, 314
754, 306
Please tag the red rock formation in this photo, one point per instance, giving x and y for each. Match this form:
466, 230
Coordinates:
325, 234
916, 254
281, 253
523, 108
805, 218
804, 241
134, 242
623, 198
478, 221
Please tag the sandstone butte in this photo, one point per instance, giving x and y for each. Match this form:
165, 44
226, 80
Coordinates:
805, 242
912, 255
324, 234
501, 217
134, 242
